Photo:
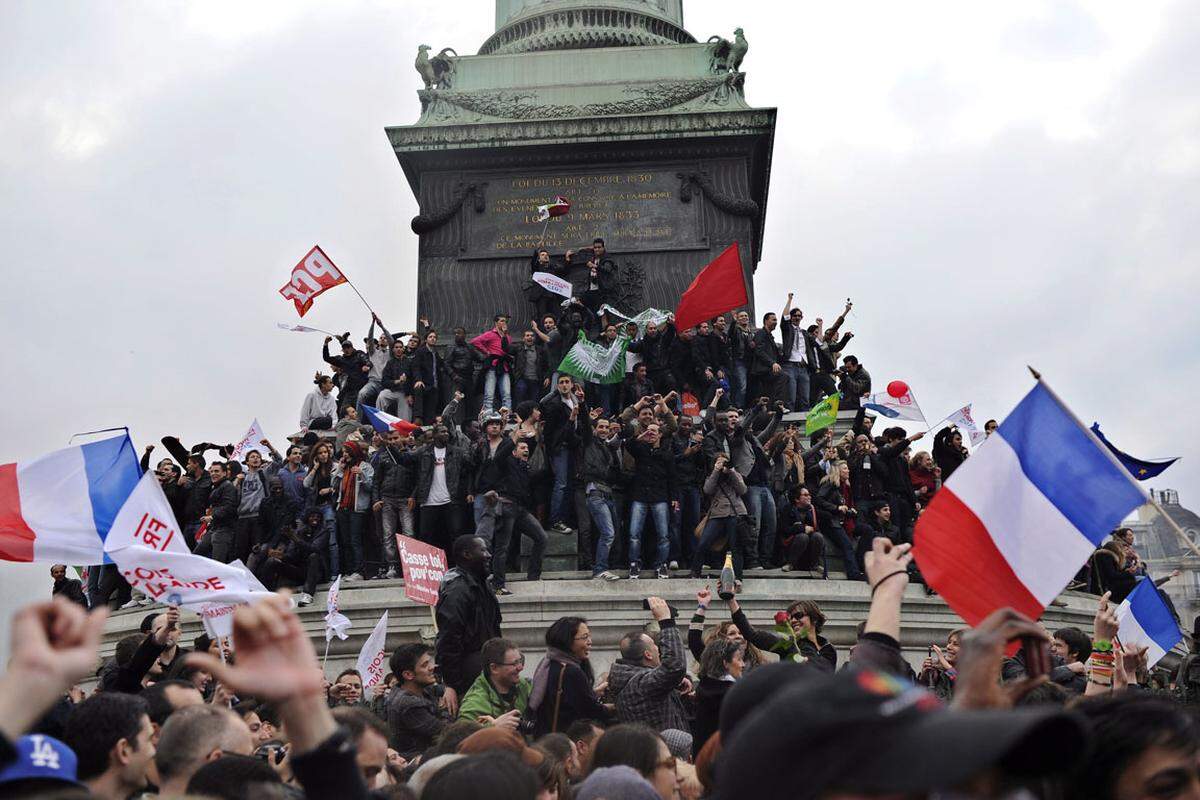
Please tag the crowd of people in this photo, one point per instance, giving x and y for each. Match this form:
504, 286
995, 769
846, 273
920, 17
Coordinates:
691, 456
760, 711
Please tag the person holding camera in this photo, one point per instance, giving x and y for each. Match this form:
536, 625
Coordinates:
644, 682
725, 488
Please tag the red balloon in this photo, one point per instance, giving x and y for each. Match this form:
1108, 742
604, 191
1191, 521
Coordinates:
897, 388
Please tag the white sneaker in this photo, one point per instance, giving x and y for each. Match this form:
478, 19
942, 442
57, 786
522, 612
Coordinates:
134, 603
304, 599
391, 573
353, 576
673, 565
606, 576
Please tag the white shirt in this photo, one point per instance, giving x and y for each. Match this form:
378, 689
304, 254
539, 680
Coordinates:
439, 495
799, 352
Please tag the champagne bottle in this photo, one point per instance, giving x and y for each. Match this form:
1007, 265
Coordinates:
727, 578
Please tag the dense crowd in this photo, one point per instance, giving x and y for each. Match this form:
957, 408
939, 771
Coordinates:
755, 711
686, 459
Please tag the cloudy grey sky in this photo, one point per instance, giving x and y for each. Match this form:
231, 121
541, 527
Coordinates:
993, 184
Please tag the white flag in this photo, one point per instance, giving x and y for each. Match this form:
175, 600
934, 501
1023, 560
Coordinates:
552, 283
903, 407
336, 623
147, 545
963, 420
283, 326
250, 442
373, 658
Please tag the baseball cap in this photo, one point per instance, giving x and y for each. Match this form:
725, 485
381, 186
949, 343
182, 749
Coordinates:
41, 757
868, 732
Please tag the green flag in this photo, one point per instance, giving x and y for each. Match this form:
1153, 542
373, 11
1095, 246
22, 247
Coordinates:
594, 363
822, 415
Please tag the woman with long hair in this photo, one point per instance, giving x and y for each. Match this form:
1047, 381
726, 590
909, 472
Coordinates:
948, 451
563, 683
836, 514
641, 749
319, 484
721, 665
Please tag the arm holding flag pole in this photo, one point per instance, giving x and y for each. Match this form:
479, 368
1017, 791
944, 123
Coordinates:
1183, 537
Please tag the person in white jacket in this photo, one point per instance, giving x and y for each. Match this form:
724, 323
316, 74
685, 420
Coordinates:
319, 411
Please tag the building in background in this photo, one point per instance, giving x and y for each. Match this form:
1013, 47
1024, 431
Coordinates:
1159, 546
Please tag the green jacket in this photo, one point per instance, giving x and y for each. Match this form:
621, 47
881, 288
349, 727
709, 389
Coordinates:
482, 699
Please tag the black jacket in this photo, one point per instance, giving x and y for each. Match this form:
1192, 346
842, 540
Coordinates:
766, 352
790, 332
352, 367
461, 360
740, 342
395, 374
197, 499
823, 658
394, 478
307, 542
709, 696
458, 465
516, 482
576, 701
654, 349
467, 616
558, 429
521, 355
428, 368
488, 471
223, 500
654, 471
71, 589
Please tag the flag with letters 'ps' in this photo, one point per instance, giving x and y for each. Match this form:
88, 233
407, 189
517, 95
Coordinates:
313, 275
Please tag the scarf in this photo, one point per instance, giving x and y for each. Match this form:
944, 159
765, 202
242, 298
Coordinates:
346, 498
541, 676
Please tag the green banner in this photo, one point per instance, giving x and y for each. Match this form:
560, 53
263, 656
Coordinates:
594, 363
822, 415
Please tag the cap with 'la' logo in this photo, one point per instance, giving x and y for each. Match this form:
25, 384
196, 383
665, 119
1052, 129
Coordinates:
41, 757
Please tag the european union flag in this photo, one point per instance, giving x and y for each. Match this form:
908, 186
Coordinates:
1138, 468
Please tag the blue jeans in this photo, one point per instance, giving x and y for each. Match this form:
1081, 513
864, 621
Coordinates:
335, 561
737, 383
714, 529
491, 382
761, 505
350, 534
841, 540
637, 518
560, 465
797, 386
367, 395
684, 521
608, 398
526, 389
603, 512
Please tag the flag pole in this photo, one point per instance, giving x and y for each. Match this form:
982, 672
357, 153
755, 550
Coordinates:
360, 297
325, 658
1150, 499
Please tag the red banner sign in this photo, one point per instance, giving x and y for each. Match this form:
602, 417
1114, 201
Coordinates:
314, 274
423, 566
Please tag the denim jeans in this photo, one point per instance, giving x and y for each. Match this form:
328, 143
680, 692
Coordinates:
335, 560
560, 465
603, 512
350, 535
607, 393
797, 386
511, 518
367, 395
760, 502
841, 540
737, 383
393, 402
637, 518
492, 382
395, 517
683, 522
714, 529
526, 389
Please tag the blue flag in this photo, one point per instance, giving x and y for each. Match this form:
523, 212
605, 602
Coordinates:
1138, 468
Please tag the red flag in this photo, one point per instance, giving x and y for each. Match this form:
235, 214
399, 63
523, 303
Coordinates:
720, 287
314, 274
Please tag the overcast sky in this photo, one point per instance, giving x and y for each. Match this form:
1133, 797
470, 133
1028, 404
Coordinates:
994, 184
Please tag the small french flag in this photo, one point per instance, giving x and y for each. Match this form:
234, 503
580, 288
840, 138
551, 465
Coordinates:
60, 507
1147, 622
384, 422
1015, 522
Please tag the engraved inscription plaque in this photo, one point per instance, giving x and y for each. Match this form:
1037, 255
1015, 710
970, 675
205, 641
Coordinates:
634, 210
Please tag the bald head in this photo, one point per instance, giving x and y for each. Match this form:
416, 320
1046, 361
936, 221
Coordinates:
194, 736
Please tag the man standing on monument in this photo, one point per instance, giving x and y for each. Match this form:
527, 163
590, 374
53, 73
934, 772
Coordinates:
494, 345
766, 364
741, 352
545, 301
600, 278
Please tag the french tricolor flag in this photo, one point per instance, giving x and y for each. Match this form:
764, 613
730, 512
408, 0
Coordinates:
1015, 522
60, 507
1147, 622
384, 422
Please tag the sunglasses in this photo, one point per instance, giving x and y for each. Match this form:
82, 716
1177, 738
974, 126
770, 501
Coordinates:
798, 616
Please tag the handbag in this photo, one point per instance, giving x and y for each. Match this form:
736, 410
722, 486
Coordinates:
558, 699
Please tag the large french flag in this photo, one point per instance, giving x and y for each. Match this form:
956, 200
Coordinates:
60, 507
1015, 522
384, 422
1147, 622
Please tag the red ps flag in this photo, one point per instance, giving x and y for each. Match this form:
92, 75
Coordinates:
720, 287
314, 274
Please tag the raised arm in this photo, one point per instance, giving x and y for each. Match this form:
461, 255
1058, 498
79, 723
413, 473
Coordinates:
787, 307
